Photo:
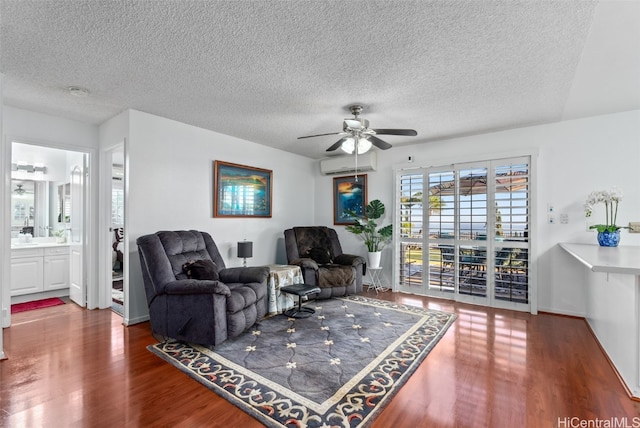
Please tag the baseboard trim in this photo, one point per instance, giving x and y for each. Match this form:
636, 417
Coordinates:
137, 320
578, 317
560, 312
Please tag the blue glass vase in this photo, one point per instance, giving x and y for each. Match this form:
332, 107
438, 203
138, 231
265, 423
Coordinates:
609, 239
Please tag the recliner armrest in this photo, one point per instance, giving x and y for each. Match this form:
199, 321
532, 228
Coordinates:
305, 263
196, 286
244, 275
351, 260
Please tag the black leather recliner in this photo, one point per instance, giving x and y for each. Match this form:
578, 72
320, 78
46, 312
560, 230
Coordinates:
203, 311
317, 250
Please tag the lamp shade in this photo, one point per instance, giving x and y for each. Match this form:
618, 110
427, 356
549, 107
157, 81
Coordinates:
245, 249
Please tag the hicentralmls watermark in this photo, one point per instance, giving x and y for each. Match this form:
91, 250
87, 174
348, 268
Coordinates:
615, 422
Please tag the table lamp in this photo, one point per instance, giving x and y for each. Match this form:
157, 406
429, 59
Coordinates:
245, 251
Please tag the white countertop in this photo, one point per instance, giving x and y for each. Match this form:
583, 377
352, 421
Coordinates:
36, 244
625, 259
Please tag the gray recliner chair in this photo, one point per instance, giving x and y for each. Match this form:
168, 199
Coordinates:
205, 311
317, 250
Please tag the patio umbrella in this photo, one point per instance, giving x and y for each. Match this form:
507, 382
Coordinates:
512, 181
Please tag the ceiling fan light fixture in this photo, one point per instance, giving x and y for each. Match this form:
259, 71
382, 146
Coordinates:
359, 137
363, 145
349, 145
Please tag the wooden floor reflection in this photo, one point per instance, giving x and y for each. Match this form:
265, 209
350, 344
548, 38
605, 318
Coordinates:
493, 368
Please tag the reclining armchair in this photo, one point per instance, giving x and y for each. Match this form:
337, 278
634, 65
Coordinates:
317, 250
191, 295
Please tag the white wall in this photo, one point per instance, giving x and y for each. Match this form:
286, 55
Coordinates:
170, 187
4, 224
32, 127
574, 158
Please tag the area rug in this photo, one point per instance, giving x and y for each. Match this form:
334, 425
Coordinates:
339, 367
37, 304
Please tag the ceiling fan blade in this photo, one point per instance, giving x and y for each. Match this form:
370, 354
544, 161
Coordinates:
337, 145
320, 135
378, 142
409, 132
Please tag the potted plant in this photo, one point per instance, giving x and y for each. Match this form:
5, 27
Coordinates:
367, 229
608, 233
60, 235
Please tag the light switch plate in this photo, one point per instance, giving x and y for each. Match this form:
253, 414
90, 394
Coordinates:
634, 227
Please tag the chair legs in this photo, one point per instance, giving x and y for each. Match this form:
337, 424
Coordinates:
299, 312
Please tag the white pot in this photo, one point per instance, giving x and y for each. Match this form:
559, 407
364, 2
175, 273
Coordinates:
374, 259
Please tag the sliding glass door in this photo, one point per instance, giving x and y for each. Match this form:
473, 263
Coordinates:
464, 232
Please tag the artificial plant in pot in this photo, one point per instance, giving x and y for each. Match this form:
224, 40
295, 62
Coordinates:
367, 229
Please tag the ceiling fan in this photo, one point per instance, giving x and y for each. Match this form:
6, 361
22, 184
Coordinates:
359, 137
19, 190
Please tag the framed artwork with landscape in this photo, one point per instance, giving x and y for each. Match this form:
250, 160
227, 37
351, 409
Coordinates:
241, 191
349, 194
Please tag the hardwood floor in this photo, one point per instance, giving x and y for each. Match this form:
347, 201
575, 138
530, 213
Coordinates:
71, 367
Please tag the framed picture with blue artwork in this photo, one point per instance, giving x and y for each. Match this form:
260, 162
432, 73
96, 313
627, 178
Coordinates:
241, 191
349, 194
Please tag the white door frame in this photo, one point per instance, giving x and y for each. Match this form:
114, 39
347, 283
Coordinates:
90, 250
4, 233
106, 234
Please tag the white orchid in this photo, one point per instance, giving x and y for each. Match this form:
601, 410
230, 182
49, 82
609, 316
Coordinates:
610, 199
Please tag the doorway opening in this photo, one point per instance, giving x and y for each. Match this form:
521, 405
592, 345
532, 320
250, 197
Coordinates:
116, 229
48, 221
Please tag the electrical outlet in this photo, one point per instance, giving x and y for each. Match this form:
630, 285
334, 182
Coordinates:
634, 227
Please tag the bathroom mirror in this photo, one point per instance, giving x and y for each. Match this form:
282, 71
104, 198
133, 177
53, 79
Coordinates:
38, 207
64, 203
23, 206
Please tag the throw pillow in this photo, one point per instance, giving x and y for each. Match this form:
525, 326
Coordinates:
201, 269
320, 255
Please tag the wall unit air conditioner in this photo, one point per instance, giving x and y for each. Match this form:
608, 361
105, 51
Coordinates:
345, 164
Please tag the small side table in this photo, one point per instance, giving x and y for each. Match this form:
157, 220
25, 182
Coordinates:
281, 276
375, 276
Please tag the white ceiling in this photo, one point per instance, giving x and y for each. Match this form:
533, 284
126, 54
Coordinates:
271, 71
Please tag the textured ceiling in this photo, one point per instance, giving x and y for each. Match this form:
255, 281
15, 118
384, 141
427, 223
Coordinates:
271, 71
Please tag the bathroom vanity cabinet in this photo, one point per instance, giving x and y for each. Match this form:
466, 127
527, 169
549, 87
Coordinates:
39, 268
